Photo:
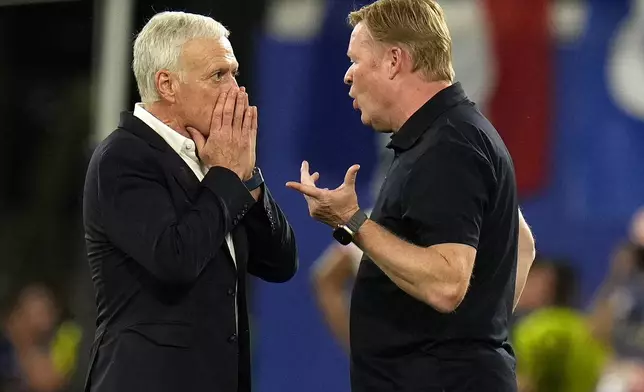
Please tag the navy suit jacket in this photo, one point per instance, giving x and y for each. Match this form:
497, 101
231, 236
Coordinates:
164, 278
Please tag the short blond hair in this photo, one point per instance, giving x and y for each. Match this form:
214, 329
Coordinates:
418, 25
160, 43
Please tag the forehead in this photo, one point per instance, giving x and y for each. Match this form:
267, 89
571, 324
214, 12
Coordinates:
208, 52
360, 40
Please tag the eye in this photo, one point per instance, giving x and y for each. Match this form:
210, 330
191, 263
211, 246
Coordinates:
217, 76
236, 73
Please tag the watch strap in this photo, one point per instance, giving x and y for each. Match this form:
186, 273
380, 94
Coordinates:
356, 221
255, 181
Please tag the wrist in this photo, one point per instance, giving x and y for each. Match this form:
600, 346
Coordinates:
358, 237
256, 193
255, 180
349, 214
247, 175
346, 233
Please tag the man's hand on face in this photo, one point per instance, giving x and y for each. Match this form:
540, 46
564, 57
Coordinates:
232, 136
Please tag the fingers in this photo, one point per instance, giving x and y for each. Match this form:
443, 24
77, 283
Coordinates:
218, 110
247, 122
306, 190
240, 110
229, 107
197, 137
254, 126
305, 177
350, 177
243, 89
250, 116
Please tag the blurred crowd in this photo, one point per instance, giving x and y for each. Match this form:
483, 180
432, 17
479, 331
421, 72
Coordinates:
562, 347
39, 345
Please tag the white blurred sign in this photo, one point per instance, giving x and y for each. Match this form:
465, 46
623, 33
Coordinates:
625, 68
295, 20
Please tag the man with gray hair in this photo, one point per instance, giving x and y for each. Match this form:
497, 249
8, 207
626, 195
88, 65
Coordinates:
176, 215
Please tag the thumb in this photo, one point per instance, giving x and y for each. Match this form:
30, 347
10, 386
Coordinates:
197, 137
350, 177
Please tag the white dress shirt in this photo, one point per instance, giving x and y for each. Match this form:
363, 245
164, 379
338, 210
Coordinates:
186, 149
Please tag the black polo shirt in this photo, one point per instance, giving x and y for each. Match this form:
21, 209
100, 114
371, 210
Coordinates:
451, 181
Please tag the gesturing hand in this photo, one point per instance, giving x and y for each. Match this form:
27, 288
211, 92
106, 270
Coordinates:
232, 137
333, 207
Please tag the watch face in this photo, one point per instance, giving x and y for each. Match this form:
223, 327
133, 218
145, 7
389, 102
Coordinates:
342, 236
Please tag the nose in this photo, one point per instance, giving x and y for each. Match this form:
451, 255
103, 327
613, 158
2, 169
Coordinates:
348, 77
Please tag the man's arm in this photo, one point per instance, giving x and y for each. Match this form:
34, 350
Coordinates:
273, 252
140, 219
525, 257
444, 199
438, 275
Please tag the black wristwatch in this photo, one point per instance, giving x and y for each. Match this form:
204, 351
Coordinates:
344, 234
255, 181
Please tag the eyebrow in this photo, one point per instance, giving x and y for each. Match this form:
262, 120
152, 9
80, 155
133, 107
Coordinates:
233, 67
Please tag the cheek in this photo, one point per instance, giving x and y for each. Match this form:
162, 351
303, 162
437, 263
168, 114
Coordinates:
204, 105
360, 85
200, 98
366, 83
185, 96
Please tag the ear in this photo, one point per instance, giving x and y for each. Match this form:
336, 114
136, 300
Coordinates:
166, 85
395, 57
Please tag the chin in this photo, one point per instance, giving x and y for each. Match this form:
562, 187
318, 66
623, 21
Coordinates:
381, 128
376, 125
366, 120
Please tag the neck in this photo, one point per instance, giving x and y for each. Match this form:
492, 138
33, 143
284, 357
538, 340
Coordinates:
164, 113
413, 95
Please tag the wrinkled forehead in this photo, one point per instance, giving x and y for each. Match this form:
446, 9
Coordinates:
208, 52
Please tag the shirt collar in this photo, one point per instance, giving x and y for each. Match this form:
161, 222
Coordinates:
179, 143
423, 118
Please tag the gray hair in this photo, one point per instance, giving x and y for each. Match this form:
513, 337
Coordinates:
159, 44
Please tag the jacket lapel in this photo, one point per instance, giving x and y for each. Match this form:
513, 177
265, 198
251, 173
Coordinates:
182, 173
179, 169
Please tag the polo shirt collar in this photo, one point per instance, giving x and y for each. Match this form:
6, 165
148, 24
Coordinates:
423, 118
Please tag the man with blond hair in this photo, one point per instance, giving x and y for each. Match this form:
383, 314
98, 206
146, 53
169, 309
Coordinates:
446, 249
176, 215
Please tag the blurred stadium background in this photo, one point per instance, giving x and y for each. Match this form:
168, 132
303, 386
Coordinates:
563, 81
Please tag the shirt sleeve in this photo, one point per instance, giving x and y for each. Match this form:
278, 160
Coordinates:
446, 195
